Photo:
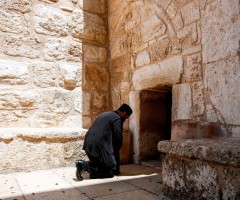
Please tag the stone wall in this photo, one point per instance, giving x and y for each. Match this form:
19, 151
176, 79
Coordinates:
54, 79
191, 46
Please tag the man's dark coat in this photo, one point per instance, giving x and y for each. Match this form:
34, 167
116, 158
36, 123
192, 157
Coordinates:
104, 138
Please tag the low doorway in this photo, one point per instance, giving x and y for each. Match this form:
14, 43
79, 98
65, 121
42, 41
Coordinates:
155, 121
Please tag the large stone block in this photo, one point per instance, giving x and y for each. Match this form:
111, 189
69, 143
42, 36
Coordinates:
24, 46
44, 74
51, 21
55, 49
160, 49
187, 129
191, 12
182, 102
70, 75
193, 69
220, 30
12, 73
10, 22
152, 27
93, 6
18, 100
142, 58
27, 149
88, 26
96, 78
201, 168
94, 54
221, 81
23, 6
167, 72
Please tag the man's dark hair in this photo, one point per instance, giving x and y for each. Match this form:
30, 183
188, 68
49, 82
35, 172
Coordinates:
125, 108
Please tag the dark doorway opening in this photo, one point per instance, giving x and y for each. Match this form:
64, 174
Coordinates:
155, 121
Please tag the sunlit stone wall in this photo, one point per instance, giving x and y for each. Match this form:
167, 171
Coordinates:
53, 79
189, 45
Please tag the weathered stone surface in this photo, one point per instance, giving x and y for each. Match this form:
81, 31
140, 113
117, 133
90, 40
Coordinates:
23, 46
198, 106
163, 73
216, 150
18, 5
88, 26
70, 75
160, 49
220, 35
189, 129
188, 36
178, 22
193, 71
86, 108
15, 118
97, 77
55, 49
184, 179
94, 54
119, 46
12, 73
221, 81
182, 102
142, 58
152, 27
94, 6
100, 102
51, 21
171, 10
201, 168
78, 101
10, 22
74, 52
18, 100
44, 74
191, 12
32, 149
56, 101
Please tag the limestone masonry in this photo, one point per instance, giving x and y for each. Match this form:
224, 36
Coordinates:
62, 62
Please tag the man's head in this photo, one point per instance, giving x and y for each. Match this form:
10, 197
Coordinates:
124, 111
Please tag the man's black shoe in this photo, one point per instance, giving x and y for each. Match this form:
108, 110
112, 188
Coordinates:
80, 169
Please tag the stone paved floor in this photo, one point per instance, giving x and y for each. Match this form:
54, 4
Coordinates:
134, 182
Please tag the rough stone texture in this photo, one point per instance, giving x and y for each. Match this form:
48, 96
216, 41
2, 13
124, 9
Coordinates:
44, 74
70, 75
10, 22
216, 150
163, 73
42, 71
221, 79
201, 168
51, 21
88, 26
187, 129
23, 46
220, 38
17, 5
12, 73
39, 148
182, 104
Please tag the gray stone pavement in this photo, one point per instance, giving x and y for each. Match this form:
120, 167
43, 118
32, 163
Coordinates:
135, 182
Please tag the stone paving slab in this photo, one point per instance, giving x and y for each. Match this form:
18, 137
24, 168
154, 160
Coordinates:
134, 182
9, 187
